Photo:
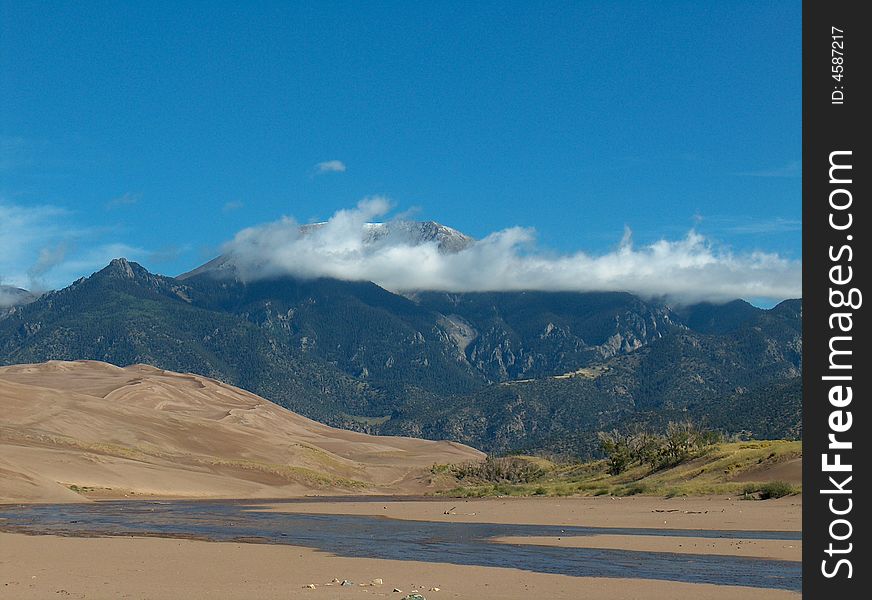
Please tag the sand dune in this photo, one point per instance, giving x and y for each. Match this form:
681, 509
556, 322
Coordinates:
789, 471
72, 430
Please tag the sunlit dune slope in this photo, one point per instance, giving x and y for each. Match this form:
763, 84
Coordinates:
75, 430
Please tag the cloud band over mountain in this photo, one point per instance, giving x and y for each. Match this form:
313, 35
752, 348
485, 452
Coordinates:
688, 269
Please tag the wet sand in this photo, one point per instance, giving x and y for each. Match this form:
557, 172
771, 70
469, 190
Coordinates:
773, 549
34, 567
709, 512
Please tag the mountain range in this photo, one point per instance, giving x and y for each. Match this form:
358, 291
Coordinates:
14, 296
501, 371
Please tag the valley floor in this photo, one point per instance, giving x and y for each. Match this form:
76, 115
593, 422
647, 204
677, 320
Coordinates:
33, 567
155, 568
695, 512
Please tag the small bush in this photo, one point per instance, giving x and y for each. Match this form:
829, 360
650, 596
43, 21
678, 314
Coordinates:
497, 470
767, 491
632, 490
775, 489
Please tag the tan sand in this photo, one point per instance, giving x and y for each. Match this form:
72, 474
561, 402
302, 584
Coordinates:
141, 431
774, 549
38, 567
706, 512
789, 471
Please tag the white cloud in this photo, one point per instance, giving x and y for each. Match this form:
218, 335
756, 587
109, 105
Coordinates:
10, 296
41, 247
761, 226
24, 233
791, 169
232, 205
48, 258
126, 199
686, 269
330, 166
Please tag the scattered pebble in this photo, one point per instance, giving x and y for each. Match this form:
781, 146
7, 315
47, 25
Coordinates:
377, 581
311, 586
346, 582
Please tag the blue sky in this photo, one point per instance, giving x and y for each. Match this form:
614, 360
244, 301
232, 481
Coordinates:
159, 131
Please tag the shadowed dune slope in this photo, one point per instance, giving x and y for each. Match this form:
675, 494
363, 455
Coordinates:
76, 430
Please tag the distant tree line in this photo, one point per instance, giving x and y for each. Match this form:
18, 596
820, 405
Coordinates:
639, 446
507, 469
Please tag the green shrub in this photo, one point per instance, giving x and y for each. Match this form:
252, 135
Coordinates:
680, 442
503, 470
774, 489
632, 490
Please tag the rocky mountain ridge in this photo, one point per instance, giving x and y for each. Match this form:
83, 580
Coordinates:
499, 370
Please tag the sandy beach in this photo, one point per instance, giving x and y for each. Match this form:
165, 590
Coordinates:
36, 567
702, 512
155, 568
774, 549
